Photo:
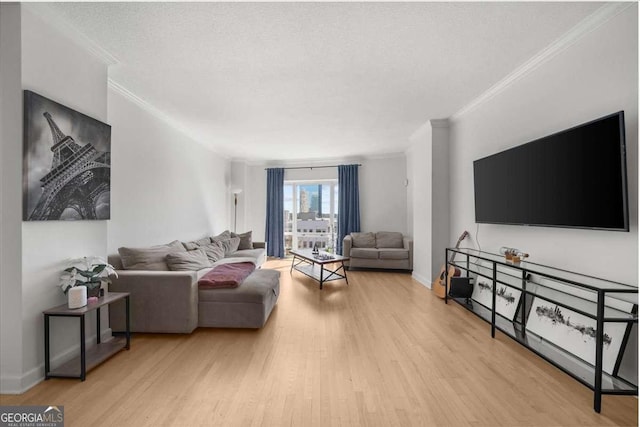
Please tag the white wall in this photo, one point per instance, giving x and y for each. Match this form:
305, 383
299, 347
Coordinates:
420, 188
254, 202
410, 165
58, 69
595, 76
239, 179
383, 197
383, 194
164, 186
440, 194
428, 197
10, 198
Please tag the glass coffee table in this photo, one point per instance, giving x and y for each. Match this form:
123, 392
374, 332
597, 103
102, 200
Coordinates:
315, 265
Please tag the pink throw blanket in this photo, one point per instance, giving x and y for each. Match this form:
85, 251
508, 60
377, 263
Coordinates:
226, 275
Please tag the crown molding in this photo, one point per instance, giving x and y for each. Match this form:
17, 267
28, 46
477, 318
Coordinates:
160, 115
117, 87
148, 107
426, 127
53, 18
584, 27
439, 123
301, 162
384, 156
422, 130
319, 162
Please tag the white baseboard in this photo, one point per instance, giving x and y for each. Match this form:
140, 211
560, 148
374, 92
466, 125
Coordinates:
10, 384
424, 281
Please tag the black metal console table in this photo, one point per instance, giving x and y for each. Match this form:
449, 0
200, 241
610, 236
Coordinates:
88, 359
602, 300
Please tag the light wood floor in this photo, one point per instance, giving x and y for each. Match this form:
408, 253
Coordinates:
382, 351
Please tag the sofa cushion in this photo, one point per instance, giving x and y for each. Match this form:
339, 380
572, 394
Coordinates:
251, 253
214, 251
363, 240
245, 240
258, 287
369, 253
389, 239
231, 259
188, 261
151, 258
394, 253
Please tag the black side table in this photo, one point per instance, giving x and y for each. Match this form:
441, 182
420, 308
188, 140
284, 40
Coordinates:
88, 359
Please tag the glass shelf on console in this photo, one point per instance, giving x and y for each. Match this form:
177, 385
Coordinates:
572, 365
578, 279
583, 306
584, 302
574, 291
584, 286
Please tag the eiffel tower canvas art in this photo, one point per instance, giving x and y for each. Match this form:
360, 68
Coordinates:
67, 163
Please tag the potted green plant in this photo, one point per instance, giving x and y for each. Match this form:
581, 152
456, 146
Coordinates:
91, 272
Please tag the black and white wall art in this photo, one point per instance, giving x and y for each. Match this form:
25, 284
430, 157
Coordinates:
507, 298
575, 332
67, 163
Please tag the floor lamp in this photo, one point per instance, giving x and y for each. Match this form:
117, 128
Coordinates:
235, 206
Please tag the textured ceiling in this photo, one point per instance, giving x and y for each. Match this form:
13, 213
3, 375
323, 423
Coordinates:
266, 81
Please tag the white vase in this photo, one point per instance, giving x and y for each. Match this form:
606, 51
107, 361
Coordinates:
77, 297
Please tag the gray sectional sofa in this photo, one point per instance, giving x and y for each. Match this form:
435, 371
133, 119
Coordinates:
166, 301
384, 249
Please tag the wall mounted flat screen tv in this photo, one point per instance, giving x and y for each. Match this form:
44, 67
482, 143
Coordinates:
576, 178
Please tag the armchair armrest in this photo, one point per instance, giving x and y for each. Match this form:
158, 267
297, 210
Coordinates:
346, 246
161, 301
408, 244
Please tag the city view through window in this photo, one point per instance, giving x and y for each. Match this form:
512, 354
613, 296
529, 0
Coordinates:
310, 215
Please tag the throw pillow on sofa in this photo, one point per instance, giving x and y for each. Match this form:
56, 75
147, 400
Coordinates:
196, 243
188, 261
190, 246
213, 251
389, 239
363, 240
245, 240
151, 258
230, 245
226, 234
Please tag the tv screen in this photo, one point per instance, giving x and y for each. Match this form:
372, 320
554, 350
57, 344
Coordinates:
574, 178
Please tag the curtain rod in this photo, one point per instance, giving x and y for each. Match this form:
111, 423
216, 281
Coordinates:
312, 167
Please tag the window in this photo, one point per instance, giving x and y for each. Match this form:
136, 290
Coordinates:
310, 214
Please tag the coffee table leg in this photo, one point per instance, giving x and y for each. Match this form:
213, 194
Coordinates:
344, 270
321, 271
